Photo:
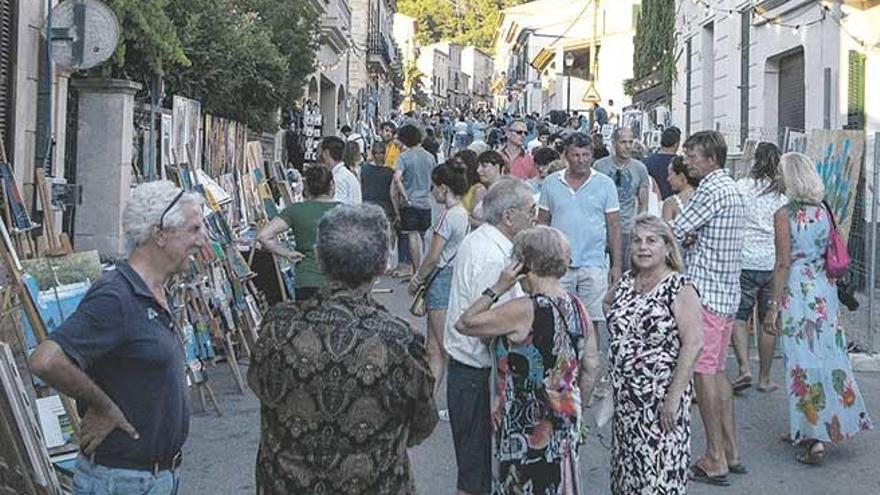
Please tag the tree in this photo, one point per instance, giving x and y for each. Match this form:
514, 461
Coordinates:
435, 19
414, 87
654, 44
236, 70
468, 22
293, 27
148, 42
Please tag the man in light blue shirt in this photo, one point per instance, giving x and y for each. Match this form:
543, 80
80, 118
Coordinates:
583, 204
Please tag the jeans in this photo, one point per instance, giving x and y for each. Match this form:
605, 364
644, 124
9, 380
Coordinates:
93, 479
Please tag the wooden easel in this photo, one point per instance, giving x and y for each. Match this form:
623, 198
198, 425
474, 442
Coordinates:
22, 239
15, 273
57, 246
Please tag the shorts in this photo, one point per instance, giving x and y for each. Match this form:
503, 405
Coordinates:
755, 288
437, 297
591, 284
415, 219
467, 397
717, 330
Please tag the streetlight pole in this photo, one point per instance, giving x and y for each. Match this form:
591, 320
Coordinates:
569, 61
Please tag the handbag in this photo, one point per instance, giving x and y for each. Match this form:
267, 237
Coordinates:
837, 258
418, 308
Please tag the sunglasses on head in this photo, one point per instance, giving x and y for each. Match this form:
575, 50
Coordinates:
168, 208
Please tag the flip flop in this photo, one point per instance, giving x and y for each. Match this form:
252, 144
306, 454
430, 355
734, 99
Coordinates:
738, 469
700, 475
741, 383
772, 387
811, 457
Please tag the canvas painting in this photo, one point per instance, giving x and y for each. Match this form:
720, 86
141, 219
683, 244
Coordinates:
838, 156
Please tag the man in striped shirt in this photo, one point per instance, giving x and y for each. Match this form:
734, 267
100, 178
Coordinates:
710, 228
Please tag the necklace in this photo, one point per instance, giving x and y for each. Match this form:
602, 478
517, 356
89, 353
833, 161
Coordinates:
646, 283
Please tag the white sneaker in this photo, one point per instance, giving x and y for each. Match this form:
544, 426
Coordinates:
444, 414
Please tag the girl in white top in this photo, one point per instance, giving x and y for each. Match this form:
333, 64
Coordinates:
448, 185
760, 191
682, 184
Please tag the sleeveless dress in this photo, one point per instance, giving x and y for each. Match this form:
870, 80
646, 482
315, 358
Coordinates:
643, 354
537, 438
824, 400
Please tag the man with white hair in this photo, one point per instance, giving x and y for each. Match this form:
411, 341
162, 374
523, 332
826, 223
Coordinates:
508, 208
120, 357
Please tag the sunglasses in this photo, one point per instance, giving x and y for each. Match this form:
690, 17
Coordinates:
521, 133
618, 178
168, 208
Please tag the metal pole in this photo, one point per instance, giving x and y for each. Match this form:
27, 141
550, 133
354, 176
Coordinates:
568, 95
50, 75
150, 166
872, 274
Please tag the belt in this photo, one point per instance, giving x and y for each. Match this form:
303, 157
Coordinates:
154, 467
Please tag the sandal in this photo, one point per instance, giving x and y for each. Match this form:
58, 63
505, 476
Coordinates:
741, 383
810, 456
738, 468
700, 475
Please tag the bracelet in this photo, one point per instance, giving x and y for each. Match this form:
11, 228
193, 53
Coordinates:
491, 295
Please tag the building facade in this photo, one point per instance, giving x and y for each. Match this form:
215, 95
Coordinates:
433, 62
752, 73
566, 54
371, 70
458, 92
327, 89
22, 66
477, 65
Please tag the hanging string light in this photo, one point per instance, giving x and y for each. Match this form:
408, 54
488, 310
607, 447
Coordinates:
798, 28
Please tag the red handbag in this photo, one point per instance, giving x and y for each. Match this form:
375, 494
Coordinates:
837, 258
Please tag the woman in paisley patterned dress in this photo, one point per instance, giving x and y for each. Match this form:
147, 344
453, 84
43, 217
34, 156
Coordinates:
654, 325
545, 363
824, 401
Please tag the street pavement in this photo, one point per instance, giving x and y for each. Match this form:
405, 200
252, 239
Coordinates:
220, 454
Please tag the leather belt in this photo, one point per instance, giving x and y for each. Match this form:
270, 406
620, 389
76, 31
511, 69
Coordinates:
154, 467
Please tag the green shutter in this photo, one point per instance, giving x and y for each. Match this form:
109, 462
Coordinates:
855, 113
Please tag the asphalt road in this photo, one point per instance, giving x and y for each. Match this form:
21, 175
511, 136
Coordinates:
221, 451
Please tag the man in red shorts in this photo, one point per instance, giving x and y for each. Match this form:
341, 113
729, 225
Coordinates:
710, 228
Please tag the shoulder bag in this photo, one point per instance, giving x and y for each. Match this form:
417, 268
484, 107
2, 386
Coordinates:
837, 258
418, 308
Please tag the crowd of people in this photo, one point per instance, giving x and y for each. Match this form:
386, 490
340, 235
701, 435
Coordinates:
561, 280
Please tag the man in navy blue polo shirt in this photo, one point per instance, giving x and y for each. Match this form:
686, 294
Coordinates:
119, 355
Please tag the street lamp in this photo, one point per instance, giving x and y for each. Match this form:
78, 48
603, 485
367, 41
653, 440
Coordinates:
569, 61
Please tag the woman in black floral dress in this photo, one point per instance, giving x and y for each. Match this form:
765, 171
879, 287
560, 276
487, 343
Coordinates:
654, 323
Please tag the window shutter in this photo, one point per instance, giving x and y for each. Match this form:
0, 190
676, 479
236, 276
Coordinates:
855, 113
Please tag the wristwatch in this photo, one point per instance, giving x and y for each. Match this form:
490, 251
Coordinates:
491, 295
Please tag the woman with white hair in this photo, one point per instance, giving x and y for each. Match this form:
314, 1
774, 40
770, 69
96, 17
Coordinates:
824, 401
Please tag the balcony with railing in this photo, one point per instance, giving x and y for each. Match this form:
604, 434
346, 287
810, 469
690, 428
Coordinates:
380, 52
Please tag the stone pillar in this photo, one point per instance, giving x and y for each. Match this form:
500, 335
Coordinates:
103, 162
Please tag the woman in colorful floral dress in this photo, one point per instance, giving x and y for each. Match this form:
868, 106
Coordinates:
824, 401
545, 363
654, 325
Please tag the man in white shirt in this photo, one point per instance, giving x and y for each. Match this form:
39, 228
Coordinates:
348, 187
508, 208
